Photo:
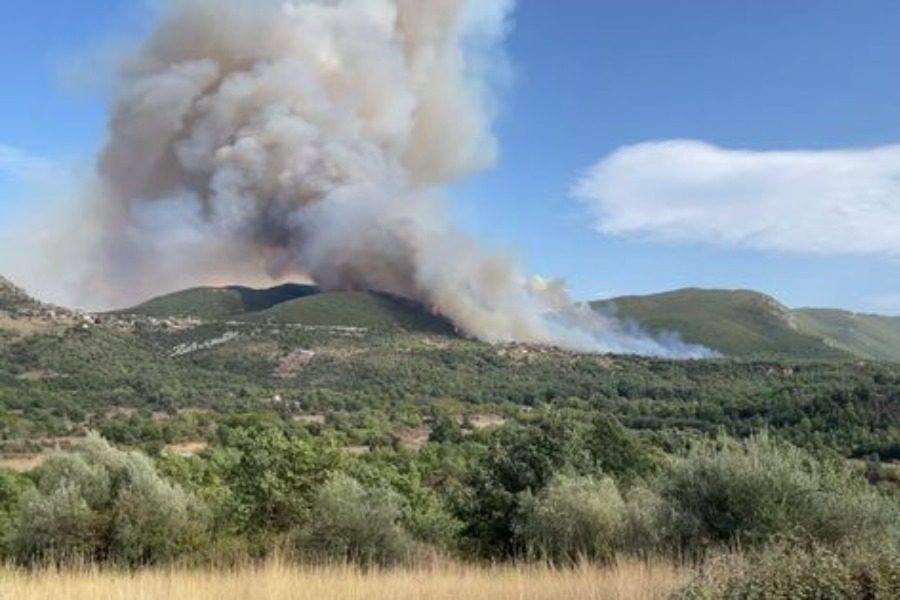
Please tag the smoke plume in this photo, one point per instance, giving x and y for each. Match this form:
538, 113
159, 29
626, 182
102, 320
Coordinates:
312, 138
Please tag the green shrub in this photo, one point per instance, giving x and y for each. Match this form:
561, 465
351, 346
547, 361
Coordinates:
648, 522
517, 459
786, 572
423, 514
102, 504
12, 488
353, 523
276, 476
747, 493
58, 525
620, 452
573, 519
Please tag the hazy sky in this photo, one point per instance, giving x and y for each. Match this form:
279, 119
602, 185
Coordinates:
646, 144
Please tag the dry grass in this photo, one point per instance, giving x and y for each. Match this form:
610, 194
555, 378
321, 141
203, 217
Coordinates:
186, 448
22, 463
276, 581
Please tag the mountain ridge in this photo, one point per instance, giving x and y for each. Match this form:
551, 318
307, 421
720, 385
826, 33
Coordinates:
750, 324
738, 323
294, 304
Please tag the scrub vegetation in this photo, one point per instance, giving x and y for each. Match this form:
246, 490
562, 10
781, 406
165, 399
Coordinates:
194, 451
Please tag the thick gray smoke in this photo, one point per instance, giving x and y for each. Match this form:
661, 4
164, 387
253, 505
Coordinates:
311, 138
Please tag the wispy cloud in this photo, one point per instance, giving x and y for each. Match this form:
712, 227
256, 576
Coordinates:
823, 202
20, 167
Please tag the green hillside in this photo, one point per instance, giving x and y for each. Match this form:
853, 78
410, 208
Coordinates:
873, 337
212, 303
355, 309
294, 304
739, 323
13, 299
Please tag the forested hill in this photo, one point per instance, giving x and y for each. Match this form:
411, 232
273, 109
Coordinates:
311, 403
379, 368
736, 323
748, 324
295, 304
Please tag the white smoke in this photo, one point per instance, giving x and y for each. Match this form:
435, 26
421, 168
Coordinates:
311, 138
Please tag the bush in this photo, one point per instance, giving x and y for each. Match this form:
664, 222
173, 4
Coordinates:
12, 488
573, 519
423, 514
59, 525
648, 522
790, 573
620, 452
276, 477
747, 493
102, 504
518, 459
352, 523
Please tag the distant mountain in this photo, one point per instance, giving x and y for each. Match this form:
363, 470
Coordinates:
737, 323
748, 324
874, 337
216, 303
295, 304
356, 309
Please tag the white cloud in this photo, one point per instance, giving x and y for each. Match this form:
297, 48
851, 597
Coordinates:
822, 202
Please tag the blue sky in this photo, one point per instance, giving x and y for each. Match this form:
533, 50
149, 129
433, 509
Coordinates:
589, 79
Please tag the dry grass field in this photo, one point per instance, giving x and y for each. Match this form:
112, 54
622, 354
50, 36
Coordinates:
631, 580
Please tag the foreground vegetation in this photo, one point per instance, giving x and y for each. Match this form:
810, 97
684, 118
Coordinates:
150, 385
189, 450
785, 572
559, 493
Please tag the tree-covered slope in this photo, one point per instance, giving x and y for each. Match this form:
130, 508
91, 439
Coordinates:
738, 323
355, 309
212, 303
143, 380
294, 304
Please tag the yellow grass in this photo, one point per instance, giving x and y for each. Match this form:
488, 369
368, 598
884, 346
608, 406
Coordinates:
22, 463
635, 580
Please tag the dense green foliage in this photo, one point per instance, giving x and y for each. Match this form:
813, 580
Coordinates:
751, 493
353, 523
573, 519
102, 504
283, 429
129, 383
12, 489
514, 492
275, 477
